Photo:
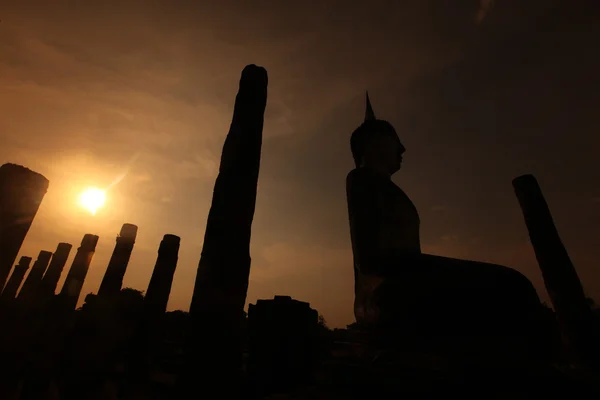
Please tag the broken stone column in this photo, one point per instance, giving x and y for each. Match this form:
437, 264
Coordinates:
57, 264
224, 268
32, 283
144, 344
12, 286
560, 277
72, 287
159, 288
21, 192
113, 277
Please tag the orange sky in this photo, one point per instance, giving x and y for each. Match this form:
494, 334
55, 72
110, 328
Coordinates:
480, 92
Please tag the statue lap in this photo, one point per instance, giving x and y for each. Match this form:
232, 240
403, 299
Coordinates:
438, 297
450, 306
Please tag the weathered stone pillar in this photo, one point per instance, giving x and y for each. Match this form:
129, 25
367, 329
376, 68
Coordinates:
216, 313
12, 286
21, 192
52, 275
560, 277
72, 287
159, 288
143, 346
32, 283
113, 277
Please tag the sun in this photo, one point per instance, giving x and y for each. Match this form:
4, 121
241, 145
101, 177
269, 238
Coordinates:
92, 199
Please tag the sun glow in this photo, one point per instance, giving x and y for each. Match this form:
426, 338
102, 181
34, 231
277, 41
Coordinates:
92, 199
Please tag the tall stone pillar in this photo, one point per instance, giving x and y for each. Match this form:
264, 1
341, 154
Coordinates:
561, 280
32, 283
159, 288
72, 287
57, 264
21, 192
12, 286
113, 277
222, 278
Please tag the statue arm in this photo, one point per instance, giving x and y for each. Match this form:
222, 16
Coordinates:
365, 214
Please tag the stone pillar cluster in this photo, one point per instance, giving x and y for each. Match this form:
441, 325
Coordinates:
13, 284
32, 283
54, 271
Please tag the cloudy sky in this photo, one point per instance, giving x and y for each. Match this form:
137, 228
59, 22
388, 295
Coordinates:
138, 96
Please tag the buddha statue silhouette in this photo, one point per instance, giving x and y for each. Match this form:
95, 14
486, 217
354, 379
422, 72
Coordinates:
396, 285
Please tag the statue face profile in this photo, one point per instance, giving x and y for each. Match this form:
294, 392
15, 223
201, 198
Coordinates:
383, 152
376, 145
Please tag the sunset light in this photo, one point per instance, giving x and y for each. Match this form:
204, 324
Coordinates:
302, 199
92, 199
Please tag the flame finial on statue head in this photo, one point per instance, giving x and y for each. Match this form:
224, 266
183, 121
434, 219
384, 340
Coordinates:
369, 113
370, 127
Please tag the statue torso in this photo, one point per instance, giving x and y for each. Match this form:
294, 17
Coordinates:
383, 220
400, 220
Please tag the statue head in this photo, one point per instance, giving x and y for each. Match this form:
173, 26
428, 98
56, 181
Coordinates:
375, 144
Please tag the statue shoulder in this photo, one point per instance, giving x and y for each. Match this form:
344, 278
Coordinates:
359, 176
360, 179
362, 187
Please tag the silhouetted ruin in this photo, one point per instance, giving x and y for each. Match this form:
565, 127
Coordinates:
560, 277
282, 343
113, 278
21, 193
13, 284
31, 286
72, 287
159, 288
57, 264
222, 277
426, 326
